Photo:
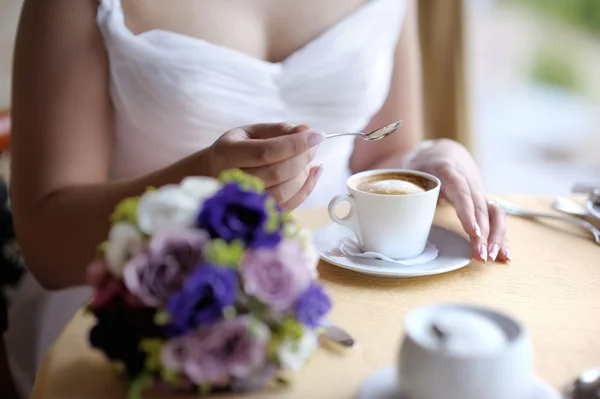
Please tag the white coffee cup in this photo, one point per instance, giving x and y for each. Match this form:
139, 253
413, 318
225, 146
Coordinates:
471, 353
396, 226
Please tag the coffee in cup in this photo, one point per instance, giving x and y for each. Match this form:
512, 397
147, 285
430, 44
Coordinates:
391, 210
395, 183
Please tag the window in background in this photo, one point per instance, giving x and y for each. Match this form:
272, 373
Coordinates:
535, 81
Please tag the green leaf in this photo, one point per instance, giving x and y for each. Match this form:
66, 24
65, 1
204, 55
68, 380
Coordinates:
253, 327
273, 216
229, 313
162, 317
172, 377
219, 252
204, 389
137, 387
244, 180
256, 308
152, 348
126, 211
102, 248
292, 329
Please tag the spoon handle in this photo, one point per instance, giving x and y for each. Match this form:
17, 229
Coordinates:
331, 135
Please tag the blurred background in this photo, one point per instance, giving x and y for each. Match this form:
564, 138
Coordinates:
533, 73
535, 92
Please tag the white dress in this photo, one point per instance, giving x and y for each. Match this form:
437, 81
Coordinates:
174, 95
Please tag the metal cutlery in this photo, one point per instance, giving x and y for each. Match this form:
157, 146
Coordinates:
583, 188
570, 207
337, 334
375, 135
512, 209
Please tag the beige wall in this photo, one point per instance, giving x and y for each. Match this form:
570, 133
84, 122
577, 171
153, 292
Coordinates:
9, 15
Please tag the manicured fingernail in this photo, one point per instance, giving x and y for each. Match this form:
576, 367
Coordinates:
319, 172
483, 253
477, 230
507, 253
301, 128
315, 138
494, 249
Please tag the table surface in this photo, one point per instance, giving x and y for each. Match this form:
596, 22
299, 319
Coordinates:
552, 286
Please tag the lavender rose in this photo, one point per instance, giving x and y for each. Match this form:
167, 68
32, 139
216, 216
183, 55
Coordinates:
276, 277
155, 274
312, 305
216, 354
234, 214
208, 290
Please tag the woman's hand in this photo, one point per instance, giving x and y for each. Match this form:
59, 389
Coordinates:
482, 219
279, 154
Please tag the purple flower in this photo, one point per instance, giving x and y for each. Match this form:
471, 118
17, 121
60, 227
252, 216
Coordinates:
235, 214
312, 305
208, 290
155, 274
216, 354
276, 276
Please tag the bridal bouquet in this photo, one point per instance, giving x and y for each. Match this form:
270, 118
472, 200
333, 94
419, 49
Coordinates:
205, 286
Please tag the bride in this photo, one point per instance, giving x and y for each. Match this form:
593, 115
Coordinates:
111, 97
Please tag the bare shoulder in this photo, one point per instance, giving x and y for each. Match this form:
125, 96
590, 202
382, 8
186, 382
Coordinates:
61, 108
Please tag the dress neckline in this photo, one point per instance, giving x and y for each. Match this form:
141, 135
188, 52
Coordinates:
115, 6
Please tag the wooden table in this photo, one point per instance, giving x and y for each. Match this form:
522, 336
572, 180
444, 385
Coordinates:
552, 285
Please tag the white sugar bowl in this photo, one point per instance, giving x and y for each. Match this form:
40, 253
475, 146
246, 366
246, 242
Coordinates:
453, 351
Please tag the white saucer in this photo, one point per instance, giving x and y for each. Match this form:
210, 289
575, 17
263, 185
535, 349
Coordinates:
454, 253
383, 384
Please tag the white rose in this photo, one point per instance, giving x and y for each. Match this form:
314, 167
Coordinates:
294, 354
200, 188
310, 252
124, 242
167, 207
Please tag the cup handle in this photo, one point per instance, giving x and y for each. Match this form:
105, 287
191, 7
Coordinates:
350, 220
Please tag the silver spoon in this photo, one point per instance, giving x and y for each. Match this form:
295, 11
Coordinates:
568, 206
586, 386
512, 209
375, 135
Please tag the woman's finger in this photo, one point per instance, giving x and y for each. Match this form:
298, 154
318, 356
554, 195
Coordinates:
283, 171
504, 254
250, 153
480, 244
308, 187
264, 131
283, 192
497, 229
456, 190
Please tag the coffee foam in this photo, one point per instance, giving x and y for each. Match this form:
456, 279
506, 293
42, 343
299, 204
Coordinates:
392, 186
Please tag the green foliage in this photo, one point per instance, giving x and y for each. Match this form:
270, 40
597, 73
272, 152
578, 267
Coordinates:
219, 252
582, 13
552, 67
